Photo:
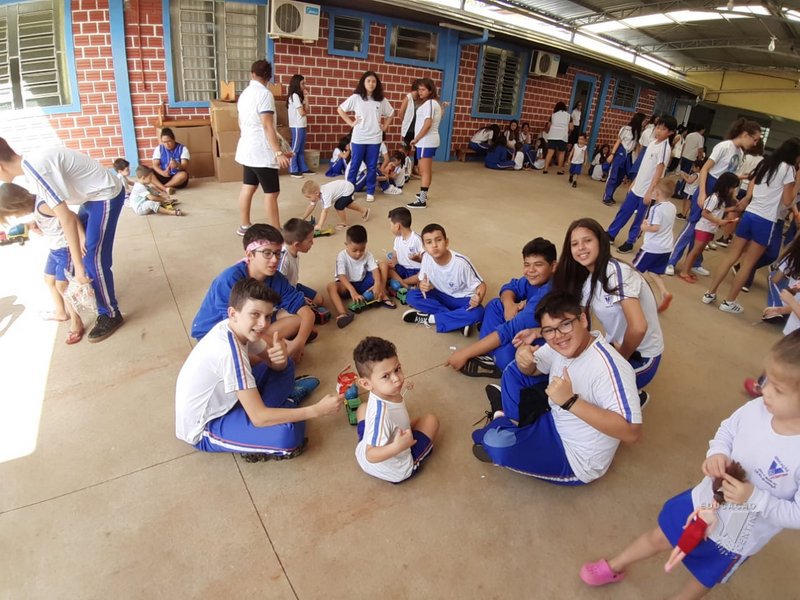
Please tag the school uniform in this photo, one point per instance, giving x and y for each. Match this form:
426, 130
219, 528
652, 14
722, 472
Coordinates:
140, 203
358, 271
297, 125
367, 135
480, 141
382, 422
63, 175
559, 131
404, 249
208, 414
253, 151
760, 216
705, 229
427, 145
657, 246
336, 194
645, 139
692, 144
656, 154
289, 267
559, 447
497, 158
59, 259
578, 158
409, 119
454, 285
619, 164
337, 165
361, 177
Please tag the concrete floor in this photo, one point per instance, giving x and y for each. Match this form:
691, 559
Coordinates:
99, 499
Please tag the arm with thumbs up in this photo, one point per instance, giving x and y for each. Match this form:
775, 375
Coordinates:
425, 286
277, 353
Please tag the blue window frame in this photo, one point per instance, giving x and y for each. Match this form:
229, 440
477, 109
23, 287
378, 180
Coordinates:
348, 33
500, 82
591, 82
415, 44
626, 95
37, 57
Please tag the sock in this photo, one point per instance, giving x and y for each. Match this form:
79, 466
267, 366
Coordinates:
432, 319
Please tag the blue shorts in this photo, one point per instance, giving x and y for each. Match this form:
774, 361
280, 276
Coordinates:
405, 272
647, 262
754, 228
709, 563
57, 261
363, 285
419, 451
575, 169
306, 291
425, 153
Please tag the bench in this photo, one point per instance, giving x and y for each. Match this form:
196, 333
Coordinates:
463, 152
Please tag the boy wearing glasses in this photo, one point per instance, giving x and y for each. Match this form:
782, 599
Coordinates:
293, 319
593, 402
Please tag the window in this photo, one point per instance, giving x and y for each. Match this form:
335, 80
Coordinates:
665, 102
214, 41
348, 35
500, 79
625, 95
33, 64
413, 44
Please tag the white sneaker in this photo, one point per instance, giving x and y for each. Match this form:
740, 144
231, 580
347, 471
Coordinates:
670, 270
394, 191
370, 198
709, 297
730, 307
701, 271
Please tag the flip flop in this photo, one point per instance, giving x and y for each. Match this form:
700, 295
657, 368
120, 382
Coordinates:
49, 315
600, 573
73, 337
688, 278
388, 304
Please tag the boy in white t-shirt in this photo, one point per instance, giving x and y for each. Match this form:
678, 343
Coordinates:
223, 404
144, 200
357, 276
657, 246
450, 289
298, 236
577, 158
337, 194
403, 265
390, 445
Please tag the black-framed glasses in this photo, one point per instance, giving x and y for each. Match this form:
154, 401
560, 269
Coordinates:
267, 253
549, 333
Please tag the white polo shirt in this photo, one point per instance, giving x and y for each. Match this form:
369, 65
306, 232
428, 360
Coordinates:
627, 283
368, 114
716, 208
253, 149
457, 278
661, 241
727, 158
64, 175
354, 270
430, 109
691, 145
626, 138
382, 423
600, 376
217, 368
647, 135
332, 191
767, 195
295, 119
405, 249
657, 153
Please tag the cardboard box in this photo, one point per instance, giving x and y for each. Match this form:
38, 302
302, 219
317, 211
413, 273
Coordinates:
224, 116
227, 169
312, 158
201, 165
281, 112
275, 88
226, 142
197, 138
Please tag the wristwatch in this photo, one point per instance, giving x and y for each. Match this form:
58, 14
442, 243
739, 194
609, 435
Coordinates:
568, 404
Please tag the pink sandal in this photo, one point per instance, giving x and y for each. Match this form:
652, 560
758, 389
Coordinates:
600, 573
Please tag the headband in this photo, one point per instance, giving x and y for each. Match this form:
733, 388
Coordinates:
256, 244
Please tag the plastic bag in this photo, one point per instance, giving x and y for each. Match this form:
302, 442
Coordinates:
80, 295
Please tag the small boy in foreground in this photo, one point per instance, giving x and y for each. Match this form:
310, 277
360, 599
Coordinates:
337, 194
391, 446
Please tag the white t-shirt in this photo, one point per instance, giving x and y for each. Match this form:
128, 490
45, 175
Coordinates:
716, 208
138, 195
519, 160
628, 283
749, 164
64, 175
50, 227
430, 109
600, 376
578, 155
727, 158
767, 195
295, 119
336, 154
354, 270
217, 368
772, 464
382, 423
368, 114
691, 146
677, 146
793, 322
290, 266
408, 115
457, 278
576, 117
626, 138
690, 188
332, 191
559, 126
253, 149
405, 249
647, 135
482, 136
657, 153
661, 241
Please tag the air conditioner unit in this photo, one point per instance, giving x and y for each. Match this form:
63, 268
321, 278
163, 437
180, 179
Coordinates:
294, 20
545, 64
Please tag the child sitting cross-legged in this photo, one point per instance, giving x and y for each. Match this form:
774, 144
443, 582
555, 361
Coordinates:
390, 445
357, 275
145, 199
338, 194
392, 176
403, 265
298, 236
450, 289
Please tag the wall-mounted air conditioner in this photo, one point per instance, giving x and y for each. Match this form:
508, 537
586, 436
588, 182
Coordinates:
294, 20
544, 64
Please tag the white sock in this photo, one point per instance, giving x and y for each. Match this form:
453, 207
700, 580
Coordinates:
432, 319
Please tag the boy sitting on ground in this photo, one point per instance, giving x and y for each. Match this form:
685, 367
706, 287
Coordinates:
450, 289
392, 176
338, 194
509, 314
298, 236
144, 199
390, 446
403, 266
356, 274
223, 404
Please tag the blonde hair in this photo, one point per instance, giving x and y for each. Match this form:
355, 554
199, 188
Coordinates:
309, 187
666, 185
786, 355
15, 201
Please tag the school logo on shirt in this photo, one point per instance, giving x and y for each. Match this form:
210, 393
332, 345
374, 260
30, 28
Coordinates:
777, 470
734, 163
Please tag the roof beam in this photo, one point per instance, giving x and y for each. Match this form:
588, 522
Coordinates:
705, 43
620, 12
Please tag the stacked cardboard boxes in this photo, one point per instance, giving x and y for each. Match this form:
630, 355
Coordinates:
225, 126
197, 138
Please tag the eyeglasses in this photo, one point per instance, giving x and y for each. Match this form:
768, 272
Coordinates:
549, 333
268, 254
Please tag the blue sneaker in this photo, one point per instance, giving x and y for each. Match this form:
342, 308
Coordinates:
304, 385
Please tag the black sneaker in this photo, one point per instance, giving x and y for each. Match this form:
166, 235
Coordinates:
574, 184
495, 397
475, 367
104, 326
774, 319
609, 202
255, 457
625, 248
481, 454
570, 178
417, 204
643, 398
415, 316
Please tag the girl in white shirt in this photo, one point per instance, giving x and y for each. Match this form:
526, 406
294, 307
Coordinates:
426, 137
557, 135
297, 104
372, 115
408, 110
512, 134
575, 117
620, 156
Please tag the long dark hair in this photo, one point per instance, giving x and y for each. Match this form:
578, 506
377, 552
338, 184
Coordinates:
570, 275
361, 90
788, 152
429, 85
725, 189
742, 125
294, 88
792, 257
559, 107
636, 124
513, 134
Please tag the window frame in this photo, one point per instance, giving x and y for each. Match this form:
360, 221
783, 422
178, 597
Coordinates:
334, 12
636, 91
172, 102
524, 61
387, 55
71, 78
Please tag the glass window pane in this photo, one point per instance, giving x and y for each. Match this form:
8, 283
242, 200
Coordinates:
348, 33
414, 44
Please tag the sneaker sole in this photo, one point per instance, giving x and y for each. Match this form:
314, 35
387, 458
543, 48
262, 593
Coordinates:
265, 457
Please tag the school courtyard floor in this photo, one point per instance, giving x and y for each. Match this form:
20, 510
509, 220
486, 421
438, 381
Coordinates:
99, 499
